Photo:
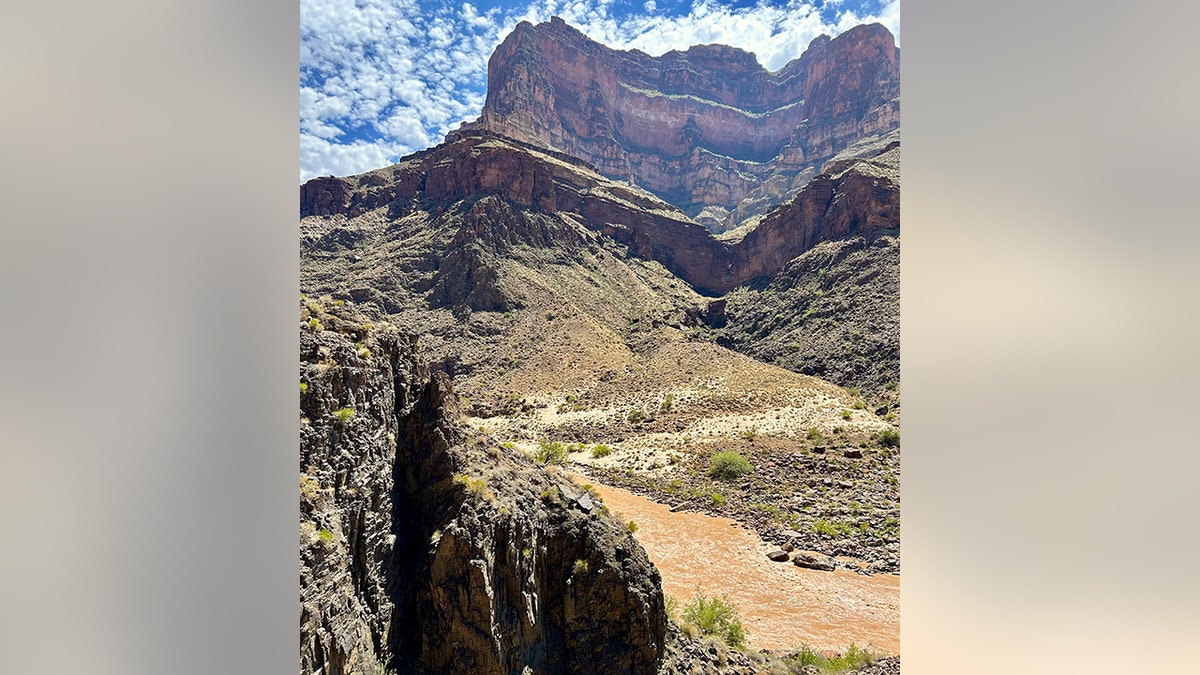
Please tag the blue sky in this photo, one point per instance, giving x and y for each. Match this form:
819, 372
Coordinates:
380, 79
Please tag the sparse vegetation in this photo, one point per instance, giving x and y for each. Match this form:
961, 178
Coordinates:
718, 499
475, 485
343, 415
834, 528
580, 566
315, 324
845, 414
671, 605
728, 465
806, 658
814, 435
668, 401
551, 452
632, 526
325, 535
310, 489
601, 450
715, 616
636, 415
889, 438
303, 388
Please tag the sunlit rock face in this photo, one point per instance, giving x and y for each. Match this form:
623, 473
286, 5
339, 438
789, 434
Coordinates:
707, 127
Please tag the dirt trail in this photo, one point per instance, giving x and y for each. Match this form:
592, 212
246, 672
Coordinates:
781, 605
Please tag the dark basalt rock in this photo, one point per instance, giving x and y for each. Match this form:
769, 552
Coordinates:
426, 551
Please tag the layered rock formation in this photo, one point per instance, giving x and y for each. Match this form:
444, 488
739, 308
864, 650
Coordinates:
853, 196
426, 551
706, 127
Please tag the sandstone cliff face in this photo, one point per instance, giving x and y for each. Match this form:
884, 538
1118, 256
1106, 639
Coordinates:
426, 551
702, 127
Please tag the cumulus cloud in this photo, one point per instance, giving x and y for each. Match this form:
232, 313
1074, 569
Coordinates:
383, 78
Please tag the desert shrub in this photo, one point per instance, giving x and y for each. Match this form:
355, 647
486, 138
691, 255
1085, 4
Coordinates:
632, 526
671, 605
814, 434
476, 486
310, 489
551, 452
668, 401
845, 414
889, 438
727, 465
636, 416
315, 324
343, 415
303, 388
855, 657
833, 528
718, 499
601, 450
581, 566
715, 616
326, 536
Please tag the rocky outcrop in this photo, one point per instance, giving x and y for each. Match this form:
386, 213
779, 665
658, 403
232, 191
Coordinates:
832, 312
702, 127
426, 551
857, 196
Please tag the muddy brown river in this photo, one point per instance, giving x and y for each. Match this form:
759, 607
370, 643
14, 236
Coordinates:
781, 605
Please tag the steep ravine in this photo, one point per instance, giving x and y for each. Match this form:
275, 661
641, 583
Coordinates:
424, 550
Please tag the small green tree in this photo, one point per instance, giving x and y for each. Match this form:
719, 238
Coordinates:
715, 616
551, 452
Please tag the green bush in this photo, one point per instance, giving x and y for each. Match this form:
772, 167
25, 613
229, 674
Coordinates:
303, 388
343, 415
854, 659
601, 450
581, 566
889, 438
718, 499
814, 434
845, 414
728, 465
551, 453
671, 605
833, 528
632, 526
636, 416
715, 616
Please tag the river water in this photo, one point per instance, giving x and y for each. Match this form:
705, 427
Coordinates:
781, 605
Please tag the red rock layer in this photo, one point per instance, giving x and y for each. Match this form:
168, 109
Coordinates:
698, 127
859, 196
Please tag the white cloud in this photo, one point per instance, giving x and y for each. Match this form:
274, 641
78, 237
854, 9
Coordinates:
380, 78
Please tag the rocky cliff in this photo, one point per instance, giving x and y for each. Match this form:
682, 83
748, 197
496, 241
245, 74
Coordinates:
859, 194
703, 128
426, 549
